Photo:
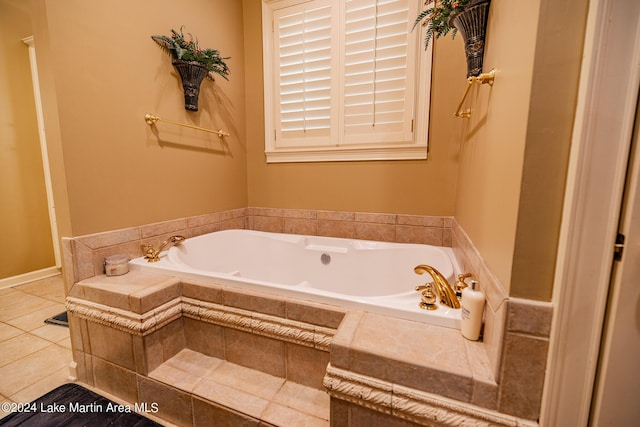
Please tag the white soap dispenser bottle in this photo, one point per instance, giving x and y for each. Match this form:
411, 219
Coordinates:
472, 304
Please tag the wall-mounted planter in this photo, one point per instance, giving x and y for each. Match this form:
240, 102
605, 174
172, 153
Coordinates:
192, 73
472, 25
193, 64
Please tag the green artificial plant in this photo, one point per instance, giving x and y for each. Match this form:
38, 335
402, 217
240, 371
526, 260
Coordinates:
181, 48
437, 17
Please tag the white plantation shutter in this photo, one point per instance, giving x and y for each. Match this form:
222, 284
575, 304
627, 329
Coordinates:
341, 77
303, 60
378, 93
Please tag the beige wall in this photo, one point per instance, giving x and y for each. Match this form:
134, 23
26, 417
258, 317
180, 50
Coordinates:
24, 219
554, 92
103, 73
412, 187
495, 136
501, 173
515, 153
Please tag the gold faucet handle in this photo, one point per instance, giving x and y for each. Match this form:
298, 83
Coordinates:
461, 284
148, 251
426, 286
428, 300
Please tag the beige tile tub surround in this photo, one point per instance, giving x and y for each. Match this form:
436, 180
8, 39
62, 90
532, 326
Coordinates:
524, 357
515, 336
426, 376
134, 354
418, 373
505, 351
84, 256
433, 230
497, 300
187, 346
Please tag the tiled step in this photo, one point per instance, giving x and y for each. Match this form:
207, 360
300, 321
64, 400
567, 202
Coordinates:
258, 395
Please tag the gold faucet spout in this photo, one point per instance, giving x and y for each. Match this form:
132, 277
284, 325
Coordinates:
443, 288
153, 255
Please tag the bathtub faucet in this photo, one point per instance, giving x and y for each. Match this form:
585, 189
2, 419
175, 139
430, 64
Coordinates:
443, 288
152, 255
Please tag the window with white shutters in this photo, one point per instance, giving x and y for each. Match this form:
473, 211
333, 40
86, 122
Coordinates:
303, 65
378, 92
344, 81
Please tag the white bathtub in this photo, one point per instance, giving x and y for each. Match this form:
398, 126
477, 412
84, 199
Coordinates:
365, 275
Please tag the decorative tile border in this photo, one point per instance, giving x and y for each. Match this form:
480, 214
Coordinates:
287, 330
410, 404
123, 320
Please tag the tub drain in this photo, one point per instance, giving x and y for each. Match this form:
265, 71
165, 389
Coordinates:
325, 259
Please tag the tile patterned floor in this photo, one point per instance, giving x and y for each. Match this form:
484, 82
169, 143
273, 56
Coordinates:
34, 356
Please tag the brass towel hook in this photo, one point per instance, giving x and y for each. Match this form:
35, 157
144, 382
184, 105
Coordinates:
482, 79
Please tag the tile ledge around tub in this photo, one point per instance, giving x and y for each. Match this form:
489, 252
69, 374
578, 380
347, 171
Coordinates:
457, 370
410, 404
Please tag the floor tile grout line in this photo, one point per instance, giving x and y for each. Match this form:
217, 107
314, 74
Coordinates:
42, 375
48, 344
50, 298
43, 379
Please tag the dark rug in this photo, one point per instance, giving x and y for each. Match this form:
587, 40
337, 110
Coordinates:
73, 405
59, 319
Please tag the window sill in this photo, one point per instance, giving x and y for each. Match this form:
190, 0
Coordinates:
412, 152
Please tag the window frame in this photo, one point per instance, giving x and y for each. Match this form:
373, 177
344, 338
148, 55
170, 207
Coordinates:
417, 149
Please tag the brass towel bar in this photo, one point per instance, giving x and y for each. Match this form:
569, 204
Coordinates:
152, 119
482, 79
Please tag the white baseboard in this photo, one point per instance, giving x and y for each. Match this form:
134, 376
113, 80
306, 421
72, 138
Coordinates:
28, 277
